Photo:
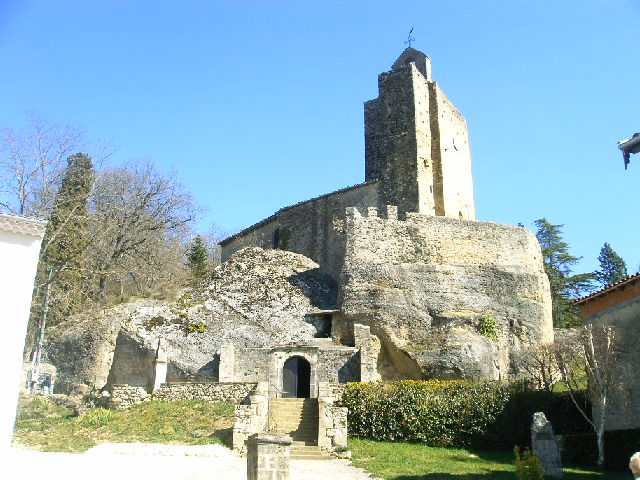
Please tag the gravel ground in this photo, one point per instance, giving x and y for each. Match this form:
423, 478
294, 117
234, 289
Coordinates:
159, 462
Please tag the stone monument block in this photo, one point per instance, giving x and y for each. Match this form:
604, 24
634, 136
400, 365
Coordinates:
268, 457
544, 445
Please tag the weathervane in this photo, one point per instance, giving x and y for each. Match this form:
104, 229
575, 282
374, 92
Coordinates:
410, 38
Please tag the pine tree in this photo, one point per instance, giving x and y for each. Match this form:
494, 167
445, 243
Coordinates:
612, 267
65, 242
558, 264
198, 259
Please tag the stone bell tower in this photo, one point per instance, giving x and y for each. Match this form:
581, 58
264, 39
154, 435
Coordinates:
416, 143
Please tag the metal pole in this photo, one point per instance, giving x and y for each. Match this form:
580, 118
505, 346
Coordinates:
37, 356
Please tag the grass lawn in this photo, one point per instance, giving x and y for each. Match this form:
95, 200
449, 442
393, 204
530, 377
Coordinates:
408, 461
42, 425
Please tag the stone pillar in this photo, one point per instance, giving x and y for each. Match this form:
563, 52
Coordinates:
160, 365
324, 422
251, 419
268, 457
368, 357
227, 363
544, 445
332, 426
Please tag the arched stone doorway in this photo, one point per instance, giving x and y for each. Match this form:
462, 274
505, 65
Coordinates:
296, 378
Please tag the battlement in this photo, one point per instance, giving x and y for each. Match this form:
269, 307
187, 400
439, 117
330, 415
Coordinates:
390, 213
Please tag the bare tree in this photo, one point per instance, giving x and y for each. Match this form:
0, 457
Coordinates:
32, 161
213, 238
594, 359
541, 365
139, 217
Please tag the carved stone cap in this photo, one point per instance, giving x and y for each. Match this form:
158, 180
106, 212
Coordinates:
541, 428
268, 438
419, 59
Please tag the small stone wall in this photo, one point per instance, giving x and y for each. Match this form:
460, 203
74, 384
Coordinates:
210, 392
251, 419
331, 390
332, 426
125, 396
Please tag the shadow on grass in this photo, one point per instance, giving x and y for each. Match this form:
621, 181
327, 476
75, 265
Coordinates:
493, 475
225, 435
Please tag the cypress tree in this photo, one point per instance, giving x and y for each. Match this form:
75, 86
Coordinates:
198, 259
612, 267
65, 242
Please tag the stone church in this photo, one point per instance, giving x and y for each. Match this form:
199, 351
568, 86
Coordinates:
417, 276
389, 279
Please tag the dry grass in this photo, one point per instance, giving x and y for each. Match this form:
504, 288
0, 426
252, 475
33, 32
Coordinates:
41, 425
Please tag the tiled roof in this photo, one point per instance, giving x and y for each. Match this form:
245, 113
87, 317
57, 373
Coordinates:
609, 288
25, 225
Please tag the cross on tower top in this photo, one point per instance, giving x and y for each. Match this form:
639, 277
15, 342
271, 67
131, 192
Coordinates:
410, 38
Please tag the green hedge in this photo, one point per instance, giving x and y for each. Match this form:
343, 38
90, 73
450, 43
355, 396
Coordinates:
580, 449
619, 445
482, 415
513, 425
438, 413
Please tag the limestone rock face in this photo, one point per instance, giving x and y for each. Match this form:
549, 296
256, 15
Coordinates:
258, 298
448, 298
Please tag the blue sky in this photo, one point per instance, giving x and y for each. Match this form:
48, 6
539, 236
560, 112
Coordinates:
259, 105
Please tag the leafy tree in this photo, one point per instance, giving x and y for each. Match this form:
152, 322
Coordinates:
612, 267
558, 264
198, 259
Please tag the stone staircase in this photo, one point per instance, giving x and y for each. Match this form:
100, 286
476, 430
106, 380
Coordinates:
298, 418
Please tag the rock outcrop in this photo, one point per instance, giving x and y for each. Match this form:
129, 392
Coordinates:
448, 298
259, 298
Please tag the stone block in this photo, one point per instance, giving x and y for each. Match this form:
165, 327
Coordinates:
544, 445
268, 457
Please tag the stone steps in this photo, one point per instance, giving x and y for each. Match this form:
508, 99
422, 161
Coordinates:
296, 417
301, 451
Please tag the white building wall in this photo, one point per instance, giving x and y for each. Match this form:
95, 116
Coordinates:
20, 240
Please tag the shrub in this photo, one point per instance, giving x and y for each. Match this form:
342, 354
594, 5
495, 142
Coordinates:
481, 415
197, 327
528, 465
513, 424
438, 413
619, 446
96, 417
489, 327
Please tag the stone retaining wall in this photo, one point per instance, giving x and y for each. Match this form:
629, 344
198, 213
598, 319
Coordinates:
210, 392
125, 396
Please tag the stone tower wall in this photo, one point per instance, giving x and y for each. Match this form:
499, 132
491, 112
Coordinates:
391, 149
417, 145
455, 158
